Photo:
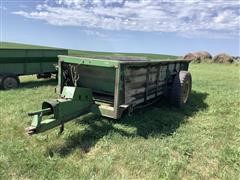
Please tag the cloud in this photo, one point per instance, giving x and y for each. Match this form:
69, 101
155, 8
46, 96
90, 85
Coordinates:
95, 33
184, 17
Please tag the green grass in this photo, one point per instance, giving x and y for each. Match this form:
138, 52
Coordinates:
199, 141
93, 54
110, 54
12, 45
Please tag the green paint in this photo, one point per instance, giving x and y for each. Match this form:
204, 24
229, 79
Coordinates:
28, 61
89, 61
101, 86
75, 101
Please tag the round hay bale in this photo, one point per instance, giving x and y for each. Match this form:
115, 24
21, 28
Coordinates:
223, 58
204, 55
189, 56
198, 56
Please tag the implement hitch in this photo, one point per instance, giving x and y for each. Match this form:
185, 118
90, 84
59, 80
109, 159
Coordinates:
74, 102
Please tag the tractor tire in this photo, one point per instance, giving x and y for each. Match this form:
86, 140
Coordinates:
181, 88
10, 82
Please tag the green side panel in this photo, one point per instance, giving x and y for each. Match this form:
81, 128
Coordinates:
89, 61
115, 62
26, 68
6, 53
32, 68
29, 61
17, 68
30, 55
49, 67
100, 79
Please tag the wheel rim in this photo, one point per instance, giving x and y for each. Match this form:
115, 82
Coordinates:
186, 89
10, 83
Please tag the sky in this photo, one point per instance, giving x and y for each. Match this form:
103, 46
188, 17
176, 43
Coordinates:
173, 27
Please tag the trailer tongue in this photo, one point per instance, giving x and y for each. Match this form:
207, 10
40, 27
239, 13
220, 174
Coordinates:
109, 87
74, 102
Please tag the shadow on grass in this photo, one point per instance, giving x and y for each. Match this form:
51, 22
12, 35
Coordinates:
158, 119
44, 82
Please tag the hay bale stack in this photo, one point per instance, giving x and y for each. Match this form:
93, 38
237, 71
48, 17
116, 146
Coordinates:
198, 56
223, 58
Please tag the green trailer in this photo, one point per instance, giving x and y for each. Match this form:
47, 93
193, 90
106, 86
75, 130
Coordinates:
110, 88
18, 62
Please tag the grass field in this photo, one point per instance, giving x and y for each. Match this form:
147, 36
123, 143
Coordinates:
199, 141
93, 54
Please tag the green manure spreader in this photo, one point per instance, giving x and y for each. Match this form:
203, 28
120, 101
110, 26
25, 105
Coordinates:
18, 62
111, 87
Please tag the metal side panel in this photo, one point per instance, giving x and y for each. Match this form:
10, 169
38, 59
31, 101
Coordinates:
89, 61
30, 55
146, 82
26, 68
9, 68
100, 79
103, 81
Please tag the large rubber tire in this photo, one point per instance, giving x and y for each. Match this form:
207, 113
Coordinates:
181, 88
10, 82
